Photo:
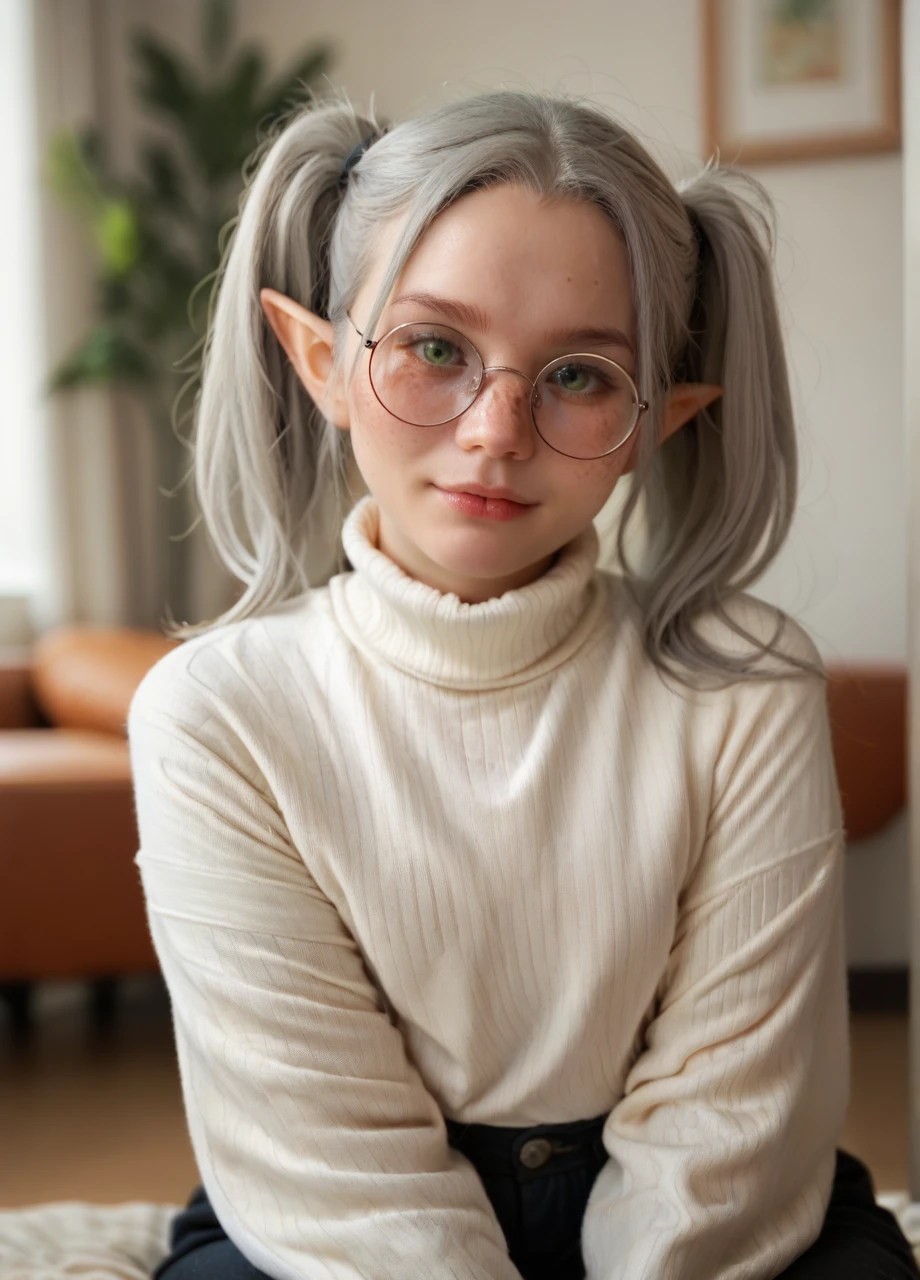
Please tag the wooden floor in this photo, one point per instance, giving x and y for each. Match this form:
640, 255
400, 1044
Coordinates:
98, 1116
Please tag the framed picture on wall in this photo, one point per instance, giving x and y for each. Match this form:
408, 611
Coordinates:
801, 79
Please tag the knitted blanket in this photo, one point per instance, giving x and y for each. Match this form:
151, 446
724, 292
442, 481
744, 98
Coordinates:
70, 1238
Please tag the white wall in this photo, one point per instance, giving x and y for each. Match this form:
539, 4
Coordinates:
912, 415
843, 573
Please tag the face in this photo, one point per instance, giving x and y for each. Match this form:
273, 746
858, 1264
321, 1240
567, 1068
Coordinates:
532, 272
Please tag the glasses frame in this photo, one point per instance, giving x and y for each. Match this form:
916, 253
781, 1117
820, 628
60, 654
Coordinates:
371, 344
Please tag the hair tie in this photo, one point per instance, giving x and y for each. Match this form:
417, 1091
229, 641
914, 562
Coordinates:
354, 156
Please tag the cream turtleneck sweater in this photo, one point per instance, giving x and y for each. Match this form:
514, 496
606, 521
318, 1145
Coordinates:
406, 857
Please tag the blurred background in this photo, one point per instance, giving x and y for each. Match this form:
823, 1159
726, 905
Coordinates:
127, 126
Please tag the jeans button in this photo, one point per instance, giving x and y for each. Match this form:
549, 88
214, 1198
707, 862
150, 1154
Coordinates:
535, 1153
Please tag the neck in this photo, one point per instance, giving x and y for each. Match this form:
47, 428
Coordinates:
435, 636
415, 564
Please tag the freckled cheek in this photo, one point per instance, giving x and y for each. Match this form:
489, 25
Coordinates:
376, 432
592, 481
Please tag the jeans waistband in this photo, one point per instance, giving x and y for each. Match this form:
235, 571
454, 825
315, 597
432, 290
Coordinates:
537, 1151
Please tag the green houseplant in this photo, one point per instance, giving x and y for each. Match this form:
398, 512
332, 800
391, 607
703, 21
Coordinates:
158, 235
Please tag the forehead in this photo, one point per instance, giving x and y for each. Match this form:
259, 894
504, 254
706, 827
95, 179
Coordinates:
520, 258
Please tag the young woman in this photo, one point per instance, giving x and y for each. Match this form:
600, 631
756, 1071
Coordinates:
498, 895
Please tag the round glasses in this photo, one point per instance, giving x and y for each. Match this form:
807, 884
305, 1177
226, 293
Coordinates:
583, 405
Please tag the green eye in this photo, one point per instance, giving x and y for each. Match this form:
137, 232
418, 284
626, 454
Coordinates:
437, 352
573, 377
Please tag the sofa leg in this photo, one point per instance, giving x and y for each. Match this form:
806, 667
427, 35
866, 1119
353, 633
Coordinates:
103, 998
18, 997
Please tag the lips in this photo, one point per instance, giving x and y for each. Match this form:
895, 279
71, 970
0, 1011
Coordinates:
480, 491
486, 508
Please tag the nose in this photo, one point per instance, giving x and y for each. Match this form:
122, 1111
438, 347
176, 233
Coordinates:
499, 419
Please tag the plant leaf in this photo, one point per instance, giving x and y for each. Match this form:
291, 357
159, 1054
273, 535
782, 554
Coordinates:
218, 22
222, 133
163, 177
170, 82
162, 297
104, 356
93, 146
118, 236
243, 83
69, 172
160, 232
115, 296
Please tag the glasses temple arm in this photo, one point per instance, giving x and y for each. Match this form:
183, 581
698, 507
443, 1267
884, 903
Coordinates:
367, 342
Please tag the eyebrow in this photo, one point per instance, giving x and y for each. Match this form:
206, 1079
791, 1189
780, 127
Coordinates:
469, 314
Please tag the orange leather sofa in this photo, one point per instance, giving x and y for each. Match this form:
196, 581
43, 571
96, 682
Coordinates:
868, 705
71, 904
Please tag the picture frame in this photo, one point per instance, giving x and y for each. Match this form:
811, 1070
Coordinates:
793, 80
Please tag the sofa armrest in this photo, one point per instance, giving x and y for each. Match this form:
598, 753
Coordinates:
18, 707
84, 676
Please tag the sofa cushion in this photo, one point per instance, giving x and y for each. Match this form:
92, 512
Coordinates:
52, 760
72, 903
84, 677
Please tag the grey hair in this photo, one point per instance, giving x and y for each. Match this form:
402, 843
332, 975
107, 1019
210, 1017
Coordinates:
275, 480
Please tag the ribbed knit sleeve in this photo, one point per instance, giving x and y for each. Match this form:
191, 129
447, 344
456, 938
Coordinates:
723, 1145
322, 1152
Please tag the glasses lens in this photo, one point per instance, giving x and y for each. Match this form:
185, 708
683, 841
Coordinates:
425, 374
585, 406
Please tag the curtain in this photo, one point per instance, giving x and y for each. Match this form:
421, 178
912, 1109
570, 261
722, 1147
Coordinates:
102, 558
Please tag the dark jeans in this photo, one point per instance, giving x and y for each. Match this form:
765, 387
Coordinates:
540, 1203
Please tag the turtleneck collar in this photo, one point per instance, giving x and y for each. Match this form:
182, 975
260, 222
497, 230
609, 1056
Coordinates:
437, 637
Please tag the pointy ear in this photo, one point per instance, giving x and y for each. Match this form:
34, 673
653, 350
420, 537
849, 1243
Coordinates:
685, 400
307, 340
